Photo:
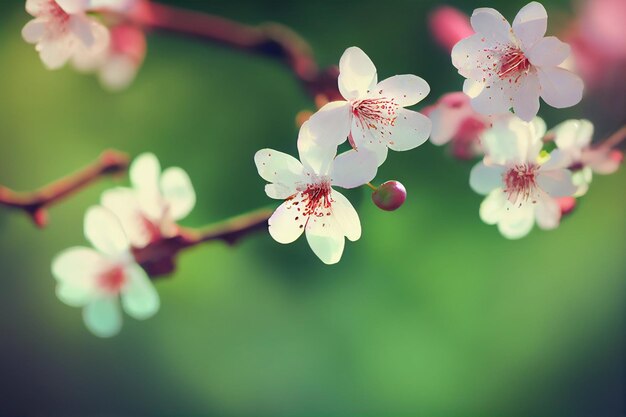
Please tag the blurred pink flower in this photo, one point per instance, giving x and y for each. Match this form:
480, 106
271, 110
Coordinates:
448, 26
456, 122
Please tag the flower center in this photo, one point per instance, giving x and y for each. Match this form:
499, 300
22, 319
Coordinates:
375, 113
521, 182
513, 64
112, 279
55, 11
316, 198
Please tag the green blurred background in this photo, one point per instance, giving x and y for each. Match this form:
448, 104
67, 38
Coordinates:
431, 313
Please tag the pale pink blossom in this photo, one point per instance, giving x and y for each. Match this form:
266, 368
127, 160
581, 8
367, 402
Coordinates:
457, 123
312, 206
150, 210
97, 278
448, 26
512, 66
117, 65
62, 30
573, 138
521, 185
373, 113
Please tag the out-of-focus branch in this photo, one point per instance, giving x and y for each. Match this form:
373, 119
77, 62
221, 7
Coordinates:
158, 258
271, 40
35, 203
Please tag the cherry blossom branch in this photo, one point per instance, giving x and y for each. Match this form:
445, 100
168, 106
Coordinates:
615, 139
270, 39
158, 258
35, 203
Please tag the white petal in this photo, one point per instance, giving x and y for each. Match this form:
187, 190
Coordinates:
316, 156
346, 216
279, 168
72, 6
549, 52
601, 160
557, 182
123, 202
466, 55
353, 168
510, 140
573, 134
330, 125
36, 7
118, 72
517, 221
531, 23
34, 30
357, 73
495, 100
177, 192
490, 23
76, 270
558, 160
560, 88
526, 100
287, 223
369, 139
279, 191
473, 88
547, 213
493, 207
139, 297
411, 129
103, 317
407, 90
105, 232
144, 173
55, 53
81, 27
326, 238
485, 178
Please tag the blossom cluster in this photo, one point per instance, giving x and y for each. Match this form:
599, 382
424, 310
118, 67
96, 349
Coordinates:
71, 31
372, 118
127, 219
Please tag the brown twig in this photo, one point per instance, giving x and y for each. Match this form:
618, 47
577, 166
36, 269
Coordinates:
35, 203
271, 40
158, 258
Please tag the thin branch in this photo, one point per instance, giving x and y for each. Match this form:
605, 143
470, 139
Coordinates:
615, 139
35, 203
271, 40
158, 258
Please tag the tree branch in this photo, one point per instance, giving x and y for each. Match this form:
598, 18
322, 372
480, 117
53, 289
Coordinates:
271, 40
158, 258
35, 203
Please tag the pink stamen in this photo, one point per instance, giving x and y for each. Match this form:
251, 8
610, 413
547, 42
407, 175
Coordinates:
112, 280
513, 64
375, 113
521, 182
316, 199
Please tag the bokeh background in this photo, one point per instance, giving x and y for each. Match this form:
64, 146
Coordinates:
431, 313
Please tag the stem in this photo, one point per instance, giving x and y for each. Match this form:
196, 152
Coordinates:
271, 40
158, 257
374, 188
615, 139
35, 203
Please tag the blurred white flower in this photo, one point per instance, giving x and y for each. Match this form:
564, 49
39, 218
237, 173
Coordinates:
521, 184
96, 278
150, 209
511, 67
373, 114
573, 138
311, 204
61, 30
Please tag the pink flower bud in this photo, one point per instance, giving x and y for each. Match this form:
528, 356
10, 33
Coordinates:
567, 205
448, 26
389, 196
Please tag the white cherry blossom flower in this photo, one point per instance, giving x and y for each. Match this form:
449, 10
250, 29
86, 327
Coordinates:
373, 114
150, 209
62, 30
511, 67
521, 184
311, 204
96, 279
573, 138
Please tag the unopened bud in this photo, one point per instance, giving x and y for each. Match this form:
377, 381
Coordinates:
389, 196
567, 205
40, 217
